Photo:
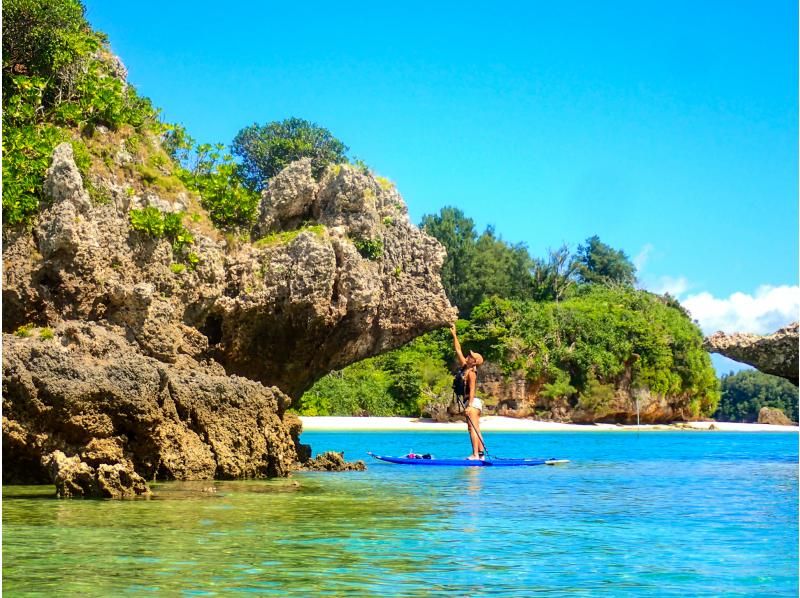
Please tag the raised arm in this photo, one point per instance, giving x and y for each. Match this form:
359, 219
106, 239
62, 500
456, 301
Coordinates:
457, 345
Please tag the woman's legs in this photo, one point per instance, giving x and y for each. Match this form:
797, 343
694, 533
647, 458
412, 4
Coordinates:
474, 426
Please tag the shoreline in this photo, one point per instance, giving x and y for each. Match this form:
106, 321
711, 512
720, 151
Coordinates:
496, 423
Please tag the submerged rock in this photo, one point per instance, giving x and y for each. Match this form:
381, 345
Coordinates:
775, 354
332, 461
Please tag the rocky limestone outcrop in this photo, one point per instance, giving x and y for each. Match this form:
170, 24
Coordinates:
89, 393
775, 354
283, 310
186, 372
321, 301
773, 416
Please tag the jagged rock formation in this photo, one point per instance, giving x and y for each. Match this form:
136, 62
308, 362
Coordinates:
89, 393
317, 299
139, 360
775, 354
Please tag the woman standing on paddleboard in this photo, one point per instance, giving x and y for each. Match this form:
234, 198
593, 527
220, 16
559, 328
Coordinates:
464, 386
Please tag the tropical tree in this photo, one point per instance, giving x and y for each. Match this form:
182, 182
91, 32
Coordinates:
554, 277
265, 150
746, 392
601, 263
457, 233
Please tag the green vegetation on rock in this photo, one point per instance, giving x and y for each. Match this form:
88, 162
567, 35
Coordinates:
210, 172
287, 236
371, 249
157, 224
58, 79
600, 336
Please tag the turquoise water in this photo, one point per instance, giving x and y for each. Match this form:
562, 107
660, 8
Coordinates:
654, 514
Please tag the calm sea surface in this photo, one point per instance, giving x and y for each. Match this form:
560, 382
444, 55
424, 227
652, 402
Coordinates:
653, 514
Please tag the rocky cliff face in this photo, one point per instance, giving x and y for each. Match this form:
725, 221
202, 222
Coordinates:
186, 373
775, 354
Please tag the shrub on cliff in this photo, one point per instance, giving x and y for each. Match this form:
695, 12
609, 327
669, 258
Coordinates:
265, 150
213, 175
746, 392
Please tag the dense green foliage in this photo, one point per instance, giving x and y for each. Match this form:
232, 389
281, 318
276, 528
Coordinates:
401, 382
578, 350
477, 267
60, 81
57, 76
372, 249
265, 150
746, 392
595, 338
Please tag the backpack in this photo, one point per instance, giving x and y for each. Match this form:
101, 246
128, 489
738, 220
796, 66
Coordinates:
460, 384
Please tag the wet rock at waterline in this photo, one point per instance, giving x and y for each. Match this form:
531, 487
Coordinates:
75, 478
332, 461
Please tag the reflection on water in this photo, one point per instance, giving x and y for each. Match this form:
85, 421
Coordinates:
692, 514
473, 475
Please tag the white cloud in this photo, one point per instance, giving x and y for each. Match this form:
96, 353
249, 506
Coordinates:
761, 313
667, 284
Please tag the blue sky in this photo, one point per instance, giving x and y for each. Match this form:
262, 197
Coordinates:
669, 129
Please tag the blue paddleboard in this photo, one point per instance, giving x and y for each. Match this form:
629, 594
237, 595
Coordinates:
470, 462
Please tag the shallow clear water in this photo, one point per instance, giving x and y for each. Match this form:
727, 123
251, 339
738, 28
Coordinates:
654, 514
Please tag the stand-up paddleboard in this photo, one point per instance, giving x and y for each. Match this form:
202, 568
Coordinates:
469, 462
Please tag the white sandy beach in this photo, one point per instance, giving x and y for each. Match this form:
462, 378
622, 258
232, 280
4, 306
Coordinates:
494, 423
